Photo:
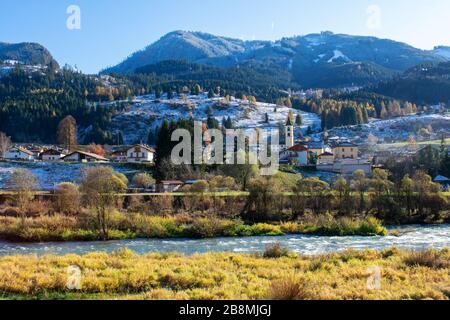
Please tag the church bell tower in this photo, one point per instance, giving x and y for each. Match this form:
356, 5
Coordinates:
290, 141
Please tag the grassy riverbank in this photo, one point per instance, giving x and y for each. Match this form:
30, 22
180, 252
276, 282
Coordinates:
129, 226
124, 275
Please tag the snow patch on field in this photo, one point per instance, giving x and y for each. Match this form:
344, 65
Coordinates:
147, 113
338, 54
397, 129
51, 174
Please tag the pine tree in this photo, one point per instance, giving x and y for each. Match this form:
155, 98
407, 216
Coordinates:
212, 123
119, 138
158, 92
67, 133
299, 120
229, 123
324, 120
209, 112
151, 137
196, 90
163, 145
443, 150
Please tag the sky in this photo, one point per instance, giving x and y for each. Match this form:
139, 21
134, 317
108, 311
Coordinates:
105, 32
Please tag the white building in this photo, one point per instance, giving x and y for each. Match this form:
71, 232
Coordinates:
140, 154
51, 155
297, 154
81, 156
326, 158
19, 153
169, 186
119, 156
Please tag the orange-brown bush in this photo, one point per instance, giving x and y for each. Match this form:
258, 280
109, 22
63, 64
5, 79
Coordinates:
430, 259
274, 251
67, 198
38, 208
160, 205
289, 289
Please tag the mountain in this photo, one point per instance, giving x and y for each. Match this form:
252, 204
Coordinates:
442, 51
315, 60
264, 82
189, 46
423, 84
26, 53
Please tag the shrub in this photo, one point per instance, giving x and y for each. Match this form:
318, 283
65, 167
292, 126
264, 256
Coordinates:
143, 181
275, 251
156, 227
136, 204
373, 227
38, 208
203, 228
291, 228
200, 186
161, 204
329, 226
67, 198
263, 229
288, 289
199, 202
430, 259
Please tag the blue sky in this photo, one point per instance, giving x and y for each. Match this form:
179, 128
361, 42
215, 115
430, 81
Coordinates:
113, 29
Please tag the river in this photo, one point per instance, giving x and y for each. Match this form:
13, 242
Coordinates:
411, 237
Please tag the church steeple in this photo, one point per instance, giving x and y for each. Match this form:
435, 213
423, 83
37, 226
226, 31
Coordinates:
290, 139
289, 122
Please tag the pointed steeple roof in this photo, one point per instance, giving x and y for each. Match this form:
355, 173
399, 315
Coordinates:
289, 122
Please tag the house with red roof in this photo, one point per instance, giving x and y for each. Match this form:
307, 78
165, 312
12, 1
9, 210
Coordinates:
297, 154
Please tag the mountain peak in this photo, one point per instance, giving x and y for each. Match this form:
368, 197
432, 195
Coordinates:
311, 59
183, 45
29, 53
443, 51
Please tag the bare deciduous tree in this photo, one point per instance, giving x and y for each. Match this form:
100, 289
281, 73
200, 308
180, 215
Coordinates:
360, 184
23, 182
67, 198
100, 187
5, 144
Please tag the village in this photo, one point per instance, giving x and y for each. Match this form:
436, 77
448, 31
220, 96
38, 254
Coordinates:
333, 155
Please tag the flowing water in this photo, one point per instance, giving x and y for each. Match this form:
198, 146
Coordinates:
411, 237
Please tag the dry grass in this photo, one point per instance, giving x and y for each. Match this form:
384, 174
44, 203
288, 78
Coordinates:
429, 259
288, 289
124, 275
83, 226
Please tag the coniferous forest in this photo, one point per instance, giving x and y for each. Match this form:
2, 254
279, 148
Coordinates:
35, 103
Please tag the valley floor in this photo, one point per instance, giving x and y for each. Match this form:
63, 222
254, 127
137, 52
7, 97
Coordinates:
215, 276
